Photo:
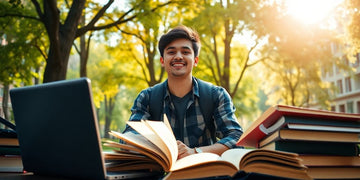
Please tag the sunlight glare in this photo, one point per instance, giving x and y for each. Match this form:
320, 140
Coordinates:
311, 11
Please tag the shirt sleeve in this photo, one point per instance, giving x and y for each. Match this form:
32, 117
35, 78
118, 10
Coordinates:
226, 123
139, 110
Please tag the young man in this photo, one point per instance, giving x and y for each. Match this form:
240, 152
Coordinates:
179, 50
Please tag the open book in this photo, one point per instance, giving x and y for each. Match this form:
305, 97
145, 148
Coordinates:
156, 149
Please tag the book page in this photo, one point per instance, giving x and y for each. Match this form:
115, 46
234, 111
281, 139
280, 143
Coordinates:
167, 123
235, 155
146, 131
142, 143
166, 137
195, 159
315, 127
280, 158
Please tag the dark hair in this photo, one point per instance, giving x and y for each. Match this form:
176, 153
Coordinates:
180, 32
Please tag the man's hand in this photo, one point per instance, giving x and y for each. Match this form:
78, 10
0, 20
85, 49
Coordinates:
184, 150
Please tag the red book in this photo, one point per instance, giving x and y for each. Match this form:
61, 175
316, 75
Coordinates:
258, 128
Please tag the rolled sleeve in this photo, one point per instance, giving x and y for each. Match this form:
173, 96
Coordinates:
226, 122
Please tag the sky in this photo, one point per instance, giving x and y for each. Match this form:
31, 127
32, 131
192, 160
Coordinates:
311, 11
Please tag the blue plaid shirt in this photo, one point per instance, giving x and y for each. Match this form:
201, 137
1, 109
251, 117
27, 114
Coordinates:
195, 133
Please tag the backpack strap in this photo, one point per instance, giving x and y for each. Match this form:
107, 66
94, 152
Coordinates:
207, 105
156, 98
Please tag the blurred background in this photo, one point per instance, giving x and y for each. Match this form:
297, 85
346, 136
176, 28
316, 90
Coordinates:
302, 53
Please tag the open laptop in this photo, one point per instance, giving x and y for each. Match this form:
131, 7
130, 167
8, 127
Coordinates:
58, 131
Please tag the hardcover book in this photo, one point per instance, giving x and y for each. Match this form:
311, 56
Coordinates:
271, 121
310, 135
314, 147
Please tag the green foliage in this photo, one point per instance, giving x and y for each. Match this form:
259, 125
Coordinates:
349, 17
223, 60
297, 54
293, 53
21, 53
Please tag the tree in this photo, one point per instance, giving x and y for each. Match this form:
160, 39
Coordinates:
224, 60
298, 53
139, 39
107, 79
220, 21
349, 19
63, 28
21, 52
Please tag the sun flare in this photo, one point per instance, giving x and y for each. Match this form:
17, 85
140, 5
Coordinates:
311, 11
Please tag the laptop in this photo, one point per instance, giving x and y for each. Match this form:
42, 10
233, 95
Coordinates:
58, 131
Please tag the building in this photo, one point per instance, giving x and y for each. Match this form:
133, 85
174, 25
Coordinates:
347, 83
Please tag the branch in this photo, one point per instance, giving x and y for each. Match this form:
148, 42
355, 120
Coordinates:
73, 18
143, 69
119, 21
38, 10
21, 16
67, 4
132, 34
244, 68
91, 26
43, 54
76, 48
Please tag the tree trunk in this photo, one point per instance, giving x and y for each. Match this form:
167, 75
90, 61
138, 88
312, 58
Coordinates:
227, 56
84, 50
61, 37
5, 102
109, 106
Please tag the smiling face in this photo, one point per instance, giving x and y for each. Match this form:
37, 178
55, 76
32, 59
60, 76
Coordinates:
179, 58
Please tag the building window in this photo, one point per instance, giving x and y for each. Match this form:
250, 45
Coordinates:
350, 107
339, 86
357, 61
347, 84
342, 108
333, 108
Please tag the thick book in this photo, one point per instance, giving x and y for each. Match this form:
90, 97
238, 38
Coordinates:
314, 147
311, 160
261, 127
310, 135
11, 163
334, 172
9, 150
352, 128
5, 141
157, 146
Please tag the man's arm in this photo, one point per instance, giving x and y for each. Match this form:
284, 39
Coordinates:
139, 110
226, 122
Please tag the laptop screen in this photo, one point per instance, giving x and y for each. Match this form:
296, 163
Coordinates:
58, 130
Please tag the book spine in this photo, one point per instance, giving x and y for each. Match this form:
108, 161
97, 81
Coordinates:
321, 121
313, 147
9, 150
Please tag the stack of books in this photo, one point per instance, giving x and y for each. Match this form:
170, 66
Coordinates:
155, 149
10, 158
326, 141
